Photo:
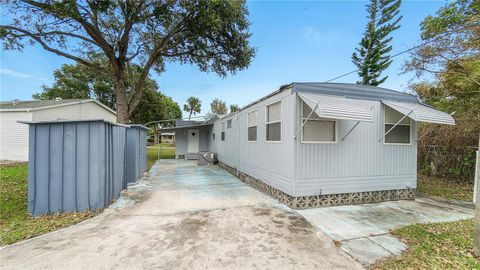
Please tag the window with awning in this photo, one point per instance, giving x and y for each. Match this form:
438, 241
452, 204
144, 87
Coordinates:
420, 113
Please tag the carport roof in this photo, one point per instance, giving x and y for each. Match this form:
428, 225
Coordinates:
189, 126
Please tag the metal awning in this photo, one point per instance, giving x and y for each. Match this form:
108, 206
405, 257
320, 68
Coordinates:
187, 126
338, 107
420, 113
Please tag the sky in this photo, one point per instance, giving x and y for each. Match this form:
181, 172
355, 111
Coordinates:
296, 41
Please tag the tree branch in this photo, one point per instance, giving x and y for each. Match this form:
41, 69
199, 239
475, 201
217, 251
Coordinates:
51, 49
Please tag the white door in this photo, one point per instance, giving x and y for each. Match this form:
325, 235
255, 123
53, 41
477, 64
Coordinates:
193, 140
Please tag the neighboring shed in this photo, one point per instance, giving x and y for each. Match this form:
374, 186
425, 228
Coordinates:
314, 144
14, 135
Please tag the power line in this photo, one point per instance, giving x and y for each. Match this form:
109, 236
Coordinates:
393, 56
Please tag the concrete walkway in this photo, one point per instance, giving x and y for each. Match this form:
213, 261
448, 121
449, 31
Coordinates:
364, 230
184, 217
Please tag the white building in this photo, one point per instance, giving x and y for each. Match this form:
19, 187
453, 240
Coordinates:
14, 135
313, 144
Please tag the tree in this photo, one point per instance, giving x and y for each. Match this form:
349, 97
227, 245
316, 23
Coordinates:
218, 107
234, 108
79, 81
372, 56
211, 34
193, 106
451, 41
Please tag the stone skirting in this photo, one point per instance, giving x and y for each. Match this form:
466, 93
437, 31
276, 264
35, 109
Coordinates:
313, 201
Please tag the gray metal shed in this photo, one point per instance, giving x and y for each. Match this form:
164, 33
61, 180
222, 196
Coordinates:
136, 161
79, 165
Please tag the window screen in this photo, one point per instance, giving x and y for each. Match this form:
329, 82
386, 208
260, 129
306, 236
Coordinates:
252, 126
253, 118
274, 131
401, 132
229, 124
274, 124
274, 112
252, 134
319, 131
223, 135
213, 136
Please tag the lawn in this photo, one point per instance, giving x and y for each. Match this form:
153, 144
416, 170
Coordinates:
15, 222
435, 246
166, 152
438, 187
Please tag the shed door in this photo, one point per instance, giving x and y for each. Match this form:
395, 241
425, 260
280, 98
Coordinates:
193, 140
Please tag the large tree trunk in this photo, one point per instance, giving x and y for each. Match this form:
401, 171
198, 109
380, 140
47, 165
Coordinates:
121, 100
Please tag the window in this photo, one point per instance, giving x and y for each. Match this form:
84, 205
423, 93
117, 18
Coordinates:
316, 129
400, 134
222, 134
229, 123
252, 126
213, 136
274, 122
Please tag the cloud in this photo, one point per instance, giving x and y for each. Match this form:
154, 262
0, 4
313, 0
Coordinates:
313, 36
16, 74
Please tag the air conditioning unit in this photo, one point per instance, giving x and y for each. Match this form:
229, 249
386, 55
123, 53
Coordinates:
207, 158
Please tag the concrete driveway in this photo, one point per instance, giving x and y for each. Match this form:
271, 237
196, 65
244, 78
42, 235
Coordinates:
364, 230
185, 217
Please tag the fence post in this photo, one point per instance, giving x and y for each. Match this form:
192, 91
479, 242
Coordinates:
476, 240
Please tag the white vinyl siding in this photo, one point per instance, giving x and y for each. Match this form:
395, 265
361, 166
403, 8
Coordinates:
316, 129
274, 122
252, 126
14, 135
87, 110
400, 134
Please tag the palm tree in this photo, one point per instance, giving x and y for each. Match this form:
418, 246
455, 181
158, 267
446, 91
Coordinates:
192, 106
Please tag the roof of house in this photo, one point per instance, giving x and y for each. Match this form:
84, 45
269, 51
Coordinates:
31, 105
356, 91
350, 90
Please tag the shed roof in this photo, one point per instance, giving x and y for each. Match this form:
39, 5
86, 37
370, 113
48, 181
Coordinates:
31, 105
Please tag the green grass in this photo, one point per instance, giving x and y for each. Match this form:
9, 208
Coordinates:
435, 246
15, 222
438, 187
166, 152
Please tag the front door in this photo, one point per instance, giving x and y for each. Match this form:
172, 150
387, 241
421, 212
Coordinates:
193, 139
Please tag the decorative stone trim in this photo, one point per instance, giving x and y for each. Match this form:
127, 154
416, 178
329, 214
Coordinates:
313, 201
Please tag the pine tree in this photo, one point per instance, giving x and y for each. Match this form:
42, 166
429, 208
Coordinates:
372, 56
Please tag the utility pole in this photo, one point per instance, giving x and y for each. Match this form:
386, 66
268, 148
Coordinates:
476, 240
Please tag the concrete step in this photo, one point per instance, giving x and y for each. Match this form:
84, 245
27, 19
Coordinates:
193, 156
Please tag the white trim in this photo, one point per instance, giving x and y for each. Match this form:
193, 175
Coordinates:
273, 122
410, 139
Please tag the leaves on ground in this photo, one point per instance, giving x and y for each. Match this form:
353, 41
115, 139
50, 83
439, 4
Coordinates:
446, 245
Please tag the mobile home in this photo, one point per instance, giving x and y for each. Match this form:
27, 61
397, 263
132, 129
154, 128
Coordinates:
319, 144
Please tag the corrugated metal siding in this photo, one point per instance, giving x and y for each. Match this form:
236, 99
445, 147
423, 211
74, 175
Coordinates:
76, 166
181, 140
14, 135
360, 163
136, 157
270, 162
